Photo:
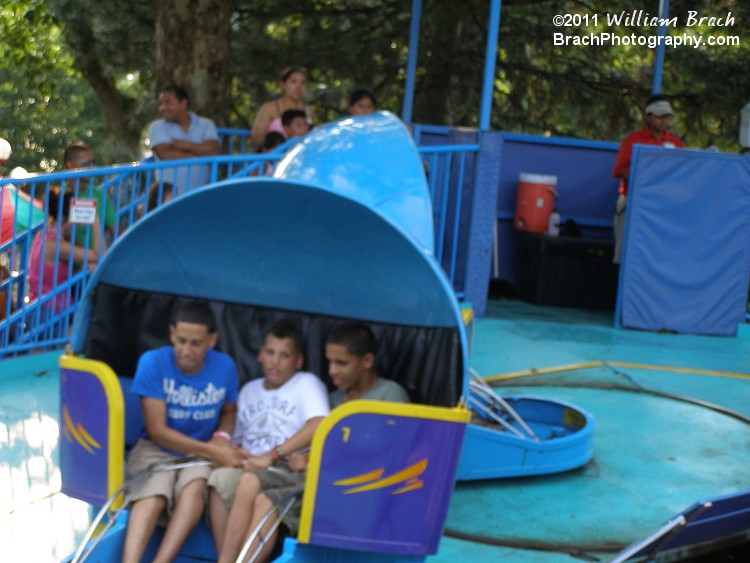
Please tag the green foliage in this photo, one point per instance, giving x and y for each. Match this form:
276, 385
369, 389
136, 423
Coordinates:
23, 47
39, 127
598, 91
112, 44
587, 92
44, 104
343, 44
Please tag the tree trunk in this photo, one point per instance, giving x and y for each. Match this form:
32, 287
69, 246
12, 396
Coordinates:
122, 135
443, 57
192, 50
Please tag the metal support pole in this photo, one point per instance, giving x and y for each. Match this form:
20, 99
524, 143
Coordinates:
659, 59
490, 57
411, 65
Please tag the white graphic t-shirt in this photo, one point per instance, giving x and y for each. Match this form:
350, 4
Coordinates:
268, 417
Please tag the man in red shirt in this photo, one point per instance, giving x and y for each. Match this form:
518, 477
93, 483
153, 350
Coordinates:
658, 114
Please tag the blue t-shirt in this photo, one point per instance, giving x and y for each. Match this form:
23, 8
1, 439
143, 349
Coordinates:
193, 401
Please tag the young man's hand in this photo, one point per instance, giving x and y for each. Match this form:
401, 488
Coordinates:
298, 461
224, 454
263, 461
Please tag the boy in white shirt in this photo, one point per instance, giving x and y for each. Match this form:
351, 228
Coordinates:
276, 417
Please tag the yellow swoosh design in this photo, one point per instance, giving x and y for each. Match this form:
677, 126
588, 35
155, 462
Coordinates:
411, 485
86, 436
410, 473
364, 478
78, 433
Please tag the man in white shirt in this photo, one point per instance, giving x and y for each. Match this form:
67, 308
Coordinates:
182, 134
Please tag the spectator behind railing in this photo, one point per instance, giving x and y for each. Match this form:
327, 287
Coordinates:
5, 152
128, 186
78, 156
293, 83
30, 323
18, 212
158, 194
182, 134
272, 140
362, 102
294, 123
6, 214
52, 251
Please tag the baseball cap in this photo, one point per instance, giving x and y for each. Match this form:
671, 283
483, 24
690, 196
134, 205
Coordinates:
659, 109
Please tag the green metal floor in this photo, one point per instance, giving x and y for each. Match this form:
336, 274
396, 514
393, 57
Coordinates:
653, 455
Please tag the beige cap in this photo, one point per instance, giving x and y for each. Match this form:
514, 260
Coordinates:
659, 109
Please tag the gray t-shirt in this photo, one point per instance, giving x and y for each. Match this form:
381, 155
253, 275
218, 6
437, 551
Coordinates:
383, 390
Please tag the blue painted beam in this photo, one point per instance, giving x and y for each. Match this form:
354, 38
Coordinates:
486, 186
411, 65
490, 58
659, 60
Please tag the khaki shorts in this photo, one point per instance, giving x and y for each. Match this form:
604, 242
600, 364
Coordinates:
224, 481
168, 484
277, 484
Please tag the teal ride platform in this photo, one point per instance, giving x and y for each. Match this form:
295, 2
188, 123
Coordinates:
654, 456
672, 411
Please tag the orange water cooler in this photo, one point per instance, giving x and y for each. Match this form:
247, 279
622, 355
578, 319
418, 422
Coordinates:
534, 202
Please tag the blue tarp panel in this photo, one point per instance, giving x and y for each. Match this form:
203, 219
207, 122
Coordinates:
686, 258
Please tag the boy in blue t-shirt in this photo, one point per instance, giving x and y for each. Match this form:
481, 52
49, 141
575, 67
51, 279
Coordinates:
189, 399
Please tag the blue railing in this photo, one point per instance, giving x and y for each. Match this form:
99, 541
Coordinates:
234, 141
39, 318
460, 177
449, 185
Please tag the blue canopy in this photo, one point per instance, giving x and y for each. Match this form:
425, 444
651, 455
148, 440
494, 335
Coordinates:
339, 249
372, 159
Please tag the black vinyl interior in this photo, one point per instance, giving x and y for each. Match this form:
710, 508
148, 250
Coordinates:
124, 323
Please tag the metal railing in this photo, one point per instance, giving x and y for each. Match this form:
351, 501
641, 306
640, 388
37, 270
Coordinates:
40, 317
449, 177
234, 141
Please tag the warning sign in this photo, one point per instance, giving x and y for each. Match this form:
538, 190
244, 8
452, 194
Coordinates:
82, 211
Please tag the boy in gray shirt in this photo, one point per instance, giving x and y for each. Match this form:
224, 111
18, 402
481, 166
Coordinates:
350, 350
